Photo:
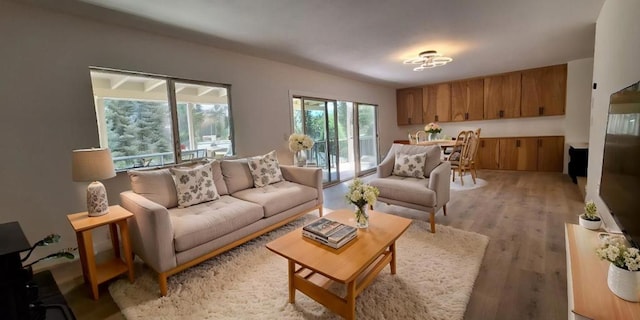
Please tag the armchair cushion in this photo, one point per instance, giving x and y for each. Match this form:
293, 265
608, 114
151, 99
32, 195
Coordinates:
406, 189
409, 165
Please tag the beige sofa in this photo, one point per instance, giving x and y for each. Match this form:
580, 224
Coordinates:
428, 192
170, 239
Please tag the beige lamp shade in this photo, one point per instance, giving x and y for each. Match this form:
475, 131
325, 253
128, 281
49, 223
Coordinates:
93, 165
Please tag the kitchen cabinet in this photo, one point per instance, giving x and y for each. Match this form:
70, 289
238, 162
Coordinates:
467, 100
502, 95
409, 106
544, 91
522, 153
436, 103
488, 153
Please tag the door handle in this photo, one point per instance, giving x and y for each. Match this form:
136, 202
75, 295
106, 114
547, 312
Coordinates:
436, 118
501, 113
481, 143
518, 143
466, 116
541, 111
539, 142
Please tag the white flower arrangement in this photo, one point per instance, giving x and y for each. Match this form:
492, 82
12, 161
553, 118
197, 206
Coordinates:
591, 211
614, 250
361, 193
432, 128
299, 141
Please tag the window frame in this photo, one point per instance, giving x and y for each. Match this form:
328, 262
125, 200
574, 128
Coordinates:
173, 112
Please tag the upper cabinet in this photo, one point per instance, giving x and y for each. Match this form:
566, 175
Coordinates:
502, 96
409, 106
544, 91
467, 100
436, 103
528, 93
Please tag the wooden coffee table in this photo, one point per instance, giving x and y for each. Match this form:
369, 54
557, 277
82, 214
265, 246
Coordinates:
313, 267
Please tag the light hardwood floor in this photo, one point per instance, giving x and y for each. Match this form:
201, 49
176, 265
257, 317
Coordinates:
523, 274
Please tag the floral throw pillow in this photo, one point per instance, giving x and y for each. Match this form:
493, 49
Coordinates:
410, 165
194, 185
265, 169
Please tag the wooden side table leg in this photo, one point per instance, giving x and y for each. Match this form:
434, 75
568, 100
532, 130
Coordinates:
113, 230
126, 247
292, 289
88, 260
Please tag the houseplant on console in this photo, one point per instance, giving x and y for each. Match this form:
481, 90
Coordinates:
299, 144
624, 275
361, 195
590, 219
432, 129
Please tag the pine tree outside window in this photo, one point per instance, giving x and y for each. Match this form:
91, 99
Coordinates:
150, 121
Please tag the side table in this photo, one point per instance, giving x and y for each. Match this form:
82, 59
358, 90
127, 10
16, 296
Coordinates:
96, 274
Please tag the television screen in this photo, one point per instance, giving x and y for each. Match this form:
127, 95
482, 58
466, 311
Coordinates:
620, 181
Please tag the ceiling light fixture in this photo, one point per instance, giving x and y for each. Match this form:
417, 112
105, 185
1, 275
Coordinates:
428, 59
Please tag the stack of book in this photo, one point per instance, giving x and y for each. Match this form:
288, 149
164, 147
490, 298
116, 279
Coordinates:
328, 232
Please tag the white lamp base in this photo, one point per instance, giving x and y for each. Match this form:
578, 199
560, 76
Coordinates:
97, 203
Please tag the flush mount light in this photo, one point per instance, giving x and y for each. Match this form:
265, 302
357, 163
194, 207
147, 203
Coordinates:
428, 59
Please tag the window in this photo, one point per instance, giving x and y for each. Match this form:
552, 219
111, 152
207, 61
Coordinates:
149, 120
345, 135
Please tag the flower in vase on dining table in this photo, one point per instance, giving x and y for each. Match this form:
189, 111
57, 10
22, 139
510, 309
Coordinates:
361, 195
433, 129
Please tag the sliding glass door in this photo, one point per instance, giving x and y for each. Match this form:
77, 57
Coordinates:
333, 126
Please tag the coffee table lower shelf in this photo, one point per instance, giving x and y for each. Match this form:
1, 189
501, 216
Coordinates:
316, 285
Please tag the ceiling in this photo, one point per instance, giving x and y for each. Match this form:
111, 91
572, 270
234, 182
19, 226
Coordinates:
369, 39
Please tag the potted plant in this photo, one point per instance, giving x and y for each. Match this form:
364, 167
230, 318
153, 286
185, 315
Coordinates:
623, 278
590, 219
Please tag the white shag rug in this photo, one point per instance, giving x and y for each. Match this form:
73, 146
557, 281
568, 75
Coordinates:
434, 279
468, 183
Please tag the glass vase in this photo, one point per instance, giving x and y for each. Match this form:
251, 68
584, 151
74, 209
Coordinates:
624, 283
432, 136
300, 158
362, 218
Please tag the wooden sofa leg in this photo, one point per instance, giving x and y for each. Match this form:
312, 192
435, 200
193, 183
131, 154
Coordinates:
433, 221
162, 280
320, 211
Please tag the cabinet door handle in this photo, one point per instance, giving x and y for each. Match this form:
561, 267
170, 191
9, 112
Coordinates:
436, 118
501, 113
539, 142
541, 111
409, 120
466, 116
517, 143
481, 143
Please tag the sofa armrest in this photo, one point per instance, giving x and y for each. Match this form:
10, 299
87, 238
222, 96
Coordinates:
440, 183
151, 231
311, 177
385, 168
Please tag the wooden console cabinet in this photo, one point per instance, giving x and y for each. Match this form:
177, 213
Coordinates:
522, 153
588, 295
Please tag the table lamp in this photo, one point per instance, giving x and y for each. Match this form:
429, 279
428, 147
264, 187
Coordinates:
93, 165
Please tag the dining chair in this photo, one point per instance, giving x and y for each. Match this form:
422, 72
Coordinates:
462, 158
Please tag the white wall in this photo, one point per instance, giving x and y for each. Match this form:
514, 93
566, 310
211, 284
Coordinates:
616, 66
47, 104
578, 111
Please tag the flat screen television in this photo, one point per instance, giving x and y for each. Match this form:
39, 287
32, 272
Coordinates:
620, 181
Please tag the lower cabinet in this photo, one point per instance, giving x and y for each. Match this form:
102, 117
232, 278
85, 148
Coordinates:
522, 153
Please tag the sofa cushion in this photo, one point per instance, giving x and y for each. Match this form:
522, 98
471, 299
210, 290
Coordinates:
195, 185
265, 169
406, 189
278, 197
409, 165
236, 175
155, 185
218, 179
204, 222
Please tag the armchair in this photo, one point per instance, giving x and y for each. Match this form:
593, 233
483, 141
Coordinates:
428, 192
